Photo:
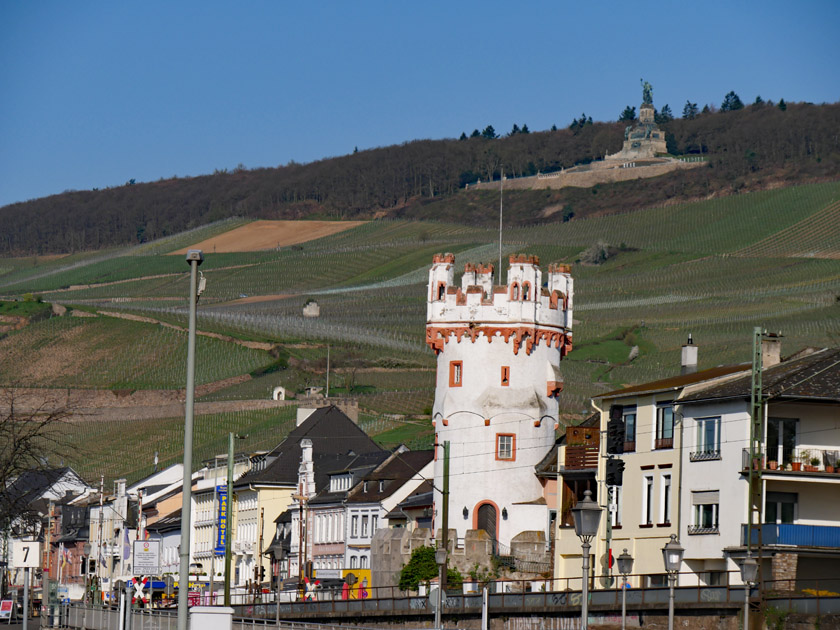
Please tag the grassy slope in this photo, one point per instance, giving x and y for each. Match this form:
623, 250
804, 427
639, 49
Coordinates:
684, 268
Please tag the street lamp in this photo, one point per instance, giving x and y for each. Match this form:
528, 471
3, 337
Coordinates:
587, 515
440, 560
194, 259
749, 571
672, 553
625, 567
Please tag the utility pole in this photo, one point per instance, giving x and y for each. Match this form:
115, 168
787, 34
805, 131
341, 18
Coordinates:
501, 201
754, 504
262, 525
228, 528
328, 370
445, 493
101, 523
194, 259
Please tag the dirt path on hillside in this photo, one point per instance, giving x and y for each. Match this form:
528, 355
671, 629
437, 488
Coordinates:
254, 345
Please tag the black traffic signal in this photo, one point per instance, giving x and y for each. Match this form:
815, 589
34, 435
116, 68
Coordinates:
615, 472
615, 435
262, 574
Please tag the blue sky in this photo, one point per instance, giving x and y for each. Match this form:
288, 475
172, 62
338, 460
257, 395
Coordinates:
96, 93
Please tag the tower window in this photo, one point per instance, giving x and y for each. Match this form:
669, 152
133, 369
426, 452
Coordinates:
505, 446
456, 373
505, 375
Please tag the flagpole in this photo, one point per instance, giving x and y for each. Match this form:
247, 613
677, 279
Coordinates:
501, 201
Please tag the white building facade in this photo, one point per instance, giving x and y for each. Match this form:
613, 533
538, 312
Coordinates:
498, 353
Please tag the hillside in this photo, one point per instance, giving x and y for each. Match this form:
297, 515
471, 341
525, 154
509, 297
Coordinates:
714, 269
755, 148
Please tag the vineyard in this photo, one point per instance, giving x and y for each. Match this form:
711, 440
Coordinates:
714, 268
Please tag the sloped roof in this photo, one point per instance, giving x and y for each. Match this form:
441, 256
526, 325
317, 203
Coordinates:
420, 498
336, 442
676, 382
359, 465
168, 523
394, 473
813, 376
32, 484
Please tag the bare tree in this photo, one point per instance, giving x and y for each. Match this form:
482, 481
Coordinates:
30, 433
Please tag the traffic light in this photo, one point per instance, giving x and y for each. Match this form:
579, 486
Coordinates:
615, 472
262, 574
615, 433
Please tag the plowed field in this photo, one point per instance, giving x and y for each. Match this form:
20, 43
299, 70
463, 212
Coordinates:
261, 235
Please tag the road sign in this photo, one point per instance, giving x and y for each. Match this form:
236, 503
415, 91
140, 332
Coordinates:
146, 557
26, 554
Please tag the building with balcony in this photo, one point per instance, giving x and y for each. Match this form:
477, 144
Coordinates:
642, 504
796, 513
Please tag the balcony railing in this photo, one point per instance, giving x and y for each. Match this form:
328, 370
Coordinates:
581, 457
703, 456
800, 460
695, 530
799, 535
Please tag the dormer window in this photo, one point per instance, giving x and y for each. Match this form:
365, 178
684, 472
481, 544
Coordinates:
364, 486
381, 485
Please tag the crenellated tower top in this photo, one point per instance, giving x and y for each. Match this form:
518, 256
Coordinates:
528, 308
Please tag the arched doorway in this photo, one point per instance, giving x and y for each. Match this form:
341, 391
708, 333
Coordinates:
486, 520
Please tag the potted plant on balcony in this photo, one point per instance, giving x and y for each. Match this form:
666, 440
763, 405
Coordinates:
830, 461
815, 465
796, 463
772, 464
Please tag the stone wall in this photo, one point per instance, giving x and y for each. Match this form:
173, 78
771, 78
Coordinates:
783, 568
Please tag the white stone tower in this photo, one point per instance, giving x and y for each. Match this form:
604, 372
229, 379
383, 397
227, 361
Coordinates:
498, 354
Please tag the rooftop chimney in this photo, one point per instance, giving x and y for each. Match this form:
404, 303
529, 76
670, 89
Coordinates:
771, 349
688, 362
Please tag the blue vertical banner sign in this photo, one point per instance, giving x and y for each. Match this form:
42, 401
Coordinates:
221, 536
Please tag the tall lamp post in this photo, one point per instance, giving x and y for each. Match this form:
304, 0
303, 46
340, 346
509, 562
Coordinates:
194, 259
587, 515
749, 571
625, 567
440, 560
672, 553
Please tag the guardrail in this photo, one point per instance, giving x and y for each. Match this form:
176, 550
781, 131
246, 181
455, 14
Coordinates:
807, 596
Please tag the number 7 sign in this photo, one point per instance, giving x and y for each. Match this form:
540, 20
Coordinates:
26, 555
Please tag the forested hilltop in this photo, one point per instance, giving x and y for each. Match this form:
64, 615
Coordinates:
754, 147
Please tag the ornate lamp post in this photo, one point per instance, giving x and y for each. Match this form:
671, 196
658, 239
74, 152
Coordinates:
587, 515
672, 553
625, 567
749, 571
